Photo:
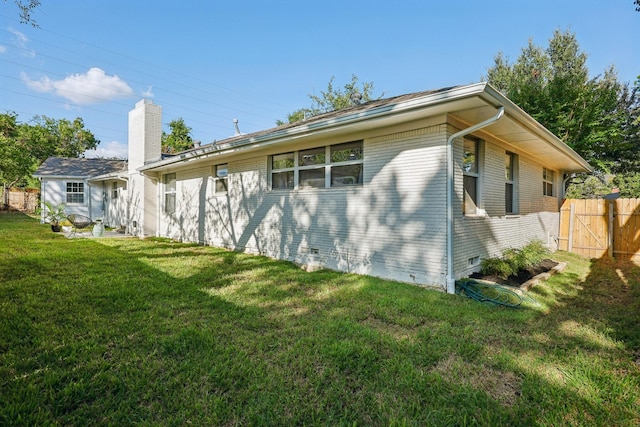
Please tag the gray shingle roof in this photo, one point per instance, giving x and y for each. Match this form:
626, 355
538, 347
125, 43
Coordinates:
358, 108
78, 167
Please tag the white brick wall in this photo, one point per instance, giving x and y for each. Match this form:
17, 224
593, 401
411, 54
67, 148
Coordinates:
392, 226
478, 237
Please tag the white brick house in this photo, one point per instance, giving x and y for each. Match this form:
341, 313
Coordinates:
417, 188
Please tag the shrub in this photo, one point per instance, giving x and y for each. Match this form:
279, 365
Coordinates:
534, 253
513, 260
496, 266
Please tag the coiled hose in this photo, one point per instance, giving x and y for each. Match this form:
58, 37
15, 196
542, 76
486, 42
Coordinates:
488, 293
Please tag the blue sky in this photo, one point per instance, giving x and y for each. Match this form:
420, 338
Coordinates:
212, 62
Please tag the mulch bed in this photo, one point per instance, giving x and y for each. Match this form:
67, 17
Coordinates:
521, 277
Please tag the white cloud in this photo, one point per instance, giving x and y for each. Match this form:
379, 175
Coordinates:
147, 93
19, 40
92, 87
3, 49
108, 150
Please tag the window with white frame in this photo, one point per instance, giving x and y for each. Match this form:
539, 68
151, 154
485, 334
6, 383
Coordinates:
114, 190
169, 181
510, 189
548, 178
321, 167
220, 177
75, 192
471, 176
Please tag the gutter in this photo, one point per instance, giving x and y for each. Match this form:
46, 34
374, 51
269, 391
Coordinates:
450, 280
316, 128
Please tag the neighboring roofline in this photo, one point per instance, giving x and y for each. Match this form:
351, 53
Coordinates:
55, 171
62, 176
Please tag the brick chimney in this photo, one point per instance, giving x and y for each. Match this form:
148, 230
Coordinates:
145, 134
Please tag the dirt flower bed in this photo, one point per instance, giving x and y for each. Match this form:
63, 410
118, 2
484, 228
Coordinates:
521, 277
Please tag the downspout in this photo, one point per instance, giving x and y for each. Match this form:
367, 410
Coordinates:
43, 192
450, 280
90, 215
158, 201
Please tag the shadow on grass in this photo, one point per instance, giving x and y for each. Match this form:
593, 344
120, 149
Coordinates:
122, 331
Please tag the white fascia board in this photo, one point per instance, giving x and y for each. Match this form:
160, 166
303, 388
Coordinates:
345, 122
76, 177
106, 177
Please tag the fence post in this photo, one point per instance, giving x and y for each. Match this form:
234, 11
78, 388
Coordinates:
610, 242
572, 212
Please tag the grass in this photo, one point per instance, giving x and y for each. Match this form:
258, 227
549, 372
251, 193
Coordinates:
152, 332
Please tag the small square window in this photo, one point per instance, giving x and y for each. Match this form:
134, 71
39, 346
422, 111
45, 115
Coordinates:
75, 192
282, 161
282, 180
312, 178
349, 151
346, 175
315, 156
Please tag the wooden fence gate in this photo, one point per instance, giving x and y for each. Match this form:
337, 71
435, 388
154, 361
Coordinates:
597, 228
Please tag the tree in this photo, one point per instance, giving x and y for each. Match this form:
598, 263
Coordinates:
64, 138
594, 116
333, 99
25, 146
26, 8
16, 162
179, 139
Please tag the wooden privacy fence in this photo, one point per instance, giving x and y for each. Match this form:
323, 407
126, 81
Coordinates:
597, 228
21, 200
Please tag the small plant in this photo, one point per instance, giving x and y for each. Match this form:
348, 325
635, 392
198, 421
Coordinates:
534, 253
54, 214
514, 260
496, 266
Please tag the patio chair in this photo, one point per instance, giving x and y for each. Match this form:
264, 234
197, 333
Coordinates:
79, 222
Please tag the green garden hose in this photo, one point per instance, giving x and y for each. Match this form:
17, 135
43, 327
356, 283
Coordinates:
488, 293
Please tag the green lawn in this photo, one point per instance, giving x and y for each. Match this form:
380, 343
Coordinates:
126, 331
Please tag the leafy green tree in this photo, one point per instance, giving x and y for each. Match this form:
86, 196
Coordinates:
16, 162
64, 138
25, 146
595, 116
179, 139
333, 99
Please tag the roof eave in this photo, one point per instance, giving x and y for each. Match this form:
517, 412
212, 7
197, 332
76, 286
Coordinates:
360, 118
123, 176
47, 176
519, 114
303, 130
